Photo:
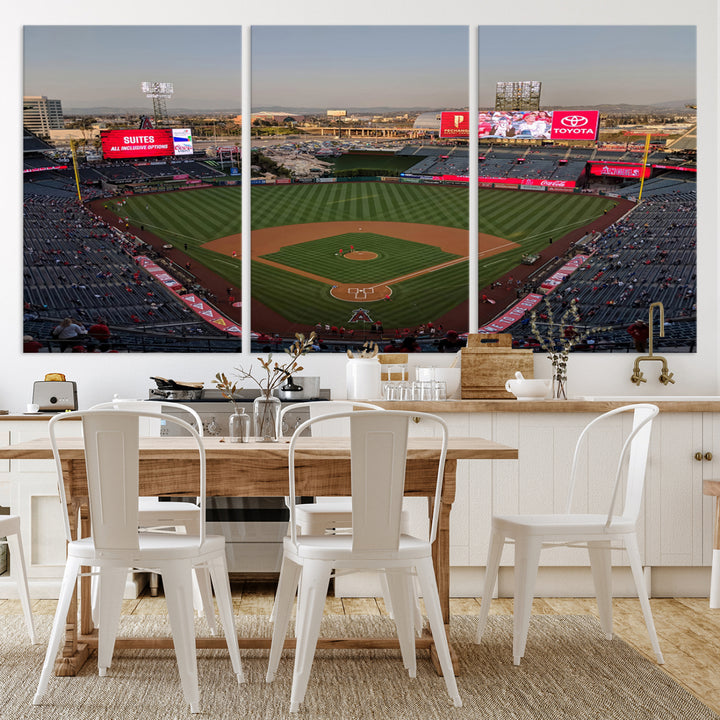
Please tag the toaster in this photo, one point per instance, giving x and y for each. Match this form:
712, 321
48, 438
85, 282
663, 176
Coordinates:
55, 396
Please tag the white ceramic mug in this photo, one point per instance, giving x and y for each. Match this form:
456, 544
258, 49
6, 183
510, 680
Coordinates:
33, 408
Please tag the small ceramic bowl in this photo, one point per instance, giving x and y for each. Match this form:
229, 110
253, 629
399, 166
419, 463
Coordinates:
528, 389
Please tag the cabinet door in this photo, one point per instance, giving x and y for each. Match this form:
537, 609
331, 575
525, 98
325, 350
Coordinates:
710, 471
674, 508
35, 498
4, 470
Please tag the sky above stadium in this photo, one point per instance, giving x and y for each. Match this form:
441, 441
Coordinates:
357, 66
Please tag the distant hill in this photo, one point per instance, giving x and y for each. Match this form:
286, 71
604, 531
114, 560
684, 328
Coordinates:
608, 109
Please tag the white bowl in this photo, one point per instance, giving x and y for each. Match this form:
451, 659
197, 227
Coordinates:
528, 389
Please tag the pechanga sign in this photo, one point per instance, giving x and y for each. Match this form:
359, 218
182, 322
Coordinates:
523, 125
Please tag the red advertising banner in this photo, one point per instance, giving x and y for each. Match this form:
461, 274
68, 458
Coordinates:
511, 316
195, 303
567, 269
619, 170
675, 167
59, 167
574, 124
121, 144
538, 182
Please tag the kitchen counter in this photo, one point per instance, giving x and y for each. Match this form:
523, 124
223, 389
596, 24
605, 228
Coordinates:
679, 404
26, 416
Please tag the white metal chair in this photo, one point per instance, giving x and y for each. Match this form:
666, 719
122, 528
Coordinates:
594, 531
335, 514
10, 530
182, 516
378, 457
111, 441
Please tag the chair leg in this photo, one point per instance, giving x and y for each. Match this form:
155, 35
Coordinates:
284, 598
385, 592
400, 590
177, 581
428, 585
217, 568
111, 582
311, 603
527, 557
17, 560
283, 588
203, 587
634, 554
497, 542
601, 565
67, 588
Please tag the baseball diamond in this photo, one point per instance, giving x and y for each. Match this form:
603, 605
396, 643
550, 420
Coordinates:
399, 248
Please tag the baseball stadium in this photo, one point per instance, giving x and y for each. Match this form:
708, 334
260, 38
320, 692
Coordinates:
372, 244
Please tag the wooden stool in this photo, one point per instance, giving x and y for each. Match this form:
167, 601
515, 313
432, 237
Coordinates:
712, 487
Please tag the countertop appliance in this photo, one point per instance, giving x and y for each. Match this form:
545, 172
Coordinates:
254, 528
55, 396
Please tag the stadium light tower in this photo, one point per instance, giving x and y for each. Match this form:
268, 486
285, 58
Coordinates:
159, 92
521, 95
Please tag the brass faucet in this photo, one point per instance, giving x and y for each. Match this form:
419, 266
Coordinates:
666, 376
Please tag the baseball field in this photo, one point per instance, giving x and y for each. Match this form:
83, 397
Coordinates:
321, 251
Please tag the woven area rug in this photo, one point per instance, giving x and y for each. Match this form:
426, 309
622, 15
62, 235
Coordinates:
570, 671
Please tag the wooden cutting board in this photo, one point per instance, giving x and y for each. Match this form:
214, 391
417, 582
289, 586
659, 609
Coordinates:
487, 362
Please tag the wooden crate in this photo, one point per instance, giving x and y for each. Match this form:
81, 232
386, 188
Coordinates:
488, 361
400, 360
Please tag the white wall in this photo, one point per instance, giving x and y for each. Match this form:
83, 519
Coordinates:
98, 377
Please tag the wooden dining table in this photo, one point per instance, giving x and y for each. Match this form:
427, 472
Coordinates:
169, 467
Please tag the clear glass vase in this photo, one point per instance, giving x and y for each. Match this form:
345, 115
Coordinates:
559, 378
239, 427
266, 414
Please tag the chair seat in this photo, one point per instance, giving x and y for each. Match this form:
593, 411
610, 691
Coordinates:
338, 548
153, 513
562, 525
317, 518
152, 504
153, 547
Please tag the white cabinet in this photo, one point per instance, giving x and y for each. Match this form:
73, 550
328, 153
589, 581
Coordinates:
685, 451
31, 490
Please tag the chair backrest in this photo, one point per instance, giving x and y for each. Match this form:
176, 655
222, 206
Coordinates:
340, 428
633, 455
155, 407
378, 450
111, 441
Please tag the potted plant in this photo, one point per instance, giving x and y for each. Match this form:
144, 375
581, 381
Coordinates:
266, 407
558, 338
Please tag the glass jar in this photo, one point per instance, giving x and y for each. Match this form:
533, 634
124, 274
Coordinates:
266, 415
239, 427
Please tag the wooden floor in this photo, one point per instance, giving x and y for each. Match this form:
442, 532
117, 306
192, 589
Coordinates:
688, 630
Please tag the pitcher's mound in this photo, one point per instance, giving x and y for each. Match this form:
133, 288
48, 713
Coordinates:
361, 255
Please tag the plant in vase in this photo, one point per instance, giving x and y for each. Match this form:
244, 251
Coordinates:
266, 407
239, 422
558, 338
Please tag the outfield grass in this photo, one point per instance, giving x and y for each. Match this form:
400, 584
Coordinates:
192, 218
